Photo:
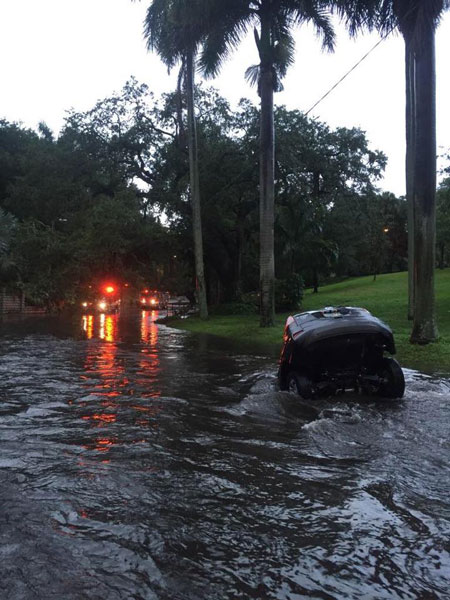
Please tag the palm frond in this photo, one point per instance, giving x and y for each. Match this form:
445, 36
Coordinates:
284, 53
357, 14
277, 81
413, 18
174, 27
318, 14
252, 75
230, 22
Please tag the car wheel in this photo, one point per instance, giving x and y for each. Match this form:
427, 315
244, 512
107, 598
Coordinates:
299, 384
393, 380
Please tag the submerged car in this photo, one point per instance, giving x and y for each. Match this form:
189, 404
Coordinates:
337, 349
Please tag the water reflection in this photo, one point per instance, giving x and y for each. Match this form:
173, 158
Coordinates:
149, 329
116, 397
150, 463
104, 377
108, 327
116, 327
102, 326
149, 364
88, 325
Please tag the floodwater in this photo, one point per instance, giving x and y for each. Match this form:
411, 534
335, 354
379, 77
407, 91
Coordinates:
140, 462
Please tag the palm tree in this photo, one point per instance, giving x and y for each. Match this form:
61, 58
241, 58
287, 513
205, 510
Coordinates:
174, 28
272, 22
359, 14
417, 21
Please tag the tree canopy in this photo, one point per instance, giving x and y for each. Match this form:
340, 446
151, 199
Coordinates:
109, 196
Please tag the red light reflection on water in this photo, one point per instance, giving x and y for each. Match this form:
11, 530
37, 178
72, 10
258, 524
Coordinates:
102, 364
88, 325
149, 329
108, 328
107, 376
102, 418
103, 444
149, 363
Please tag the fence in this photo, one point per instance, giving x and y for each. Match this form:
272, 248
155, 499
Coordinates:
14, 303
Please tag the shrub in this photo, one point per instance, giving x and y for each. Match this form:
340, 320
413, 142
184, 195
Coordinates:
289, 292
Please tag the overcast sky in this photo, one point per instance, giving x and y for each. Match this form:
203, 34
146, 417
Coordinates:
58, 54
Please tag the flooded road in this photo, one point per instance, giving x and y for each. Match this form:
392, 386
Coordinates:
140, 462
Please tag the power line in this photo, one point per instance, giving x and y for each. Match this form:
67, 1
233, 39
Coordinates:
350, 71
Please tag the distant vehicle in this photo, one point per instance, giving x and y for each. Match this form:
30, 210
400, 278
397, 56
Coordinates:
333, 350
152, 299
178, 305
148, 300
106, 300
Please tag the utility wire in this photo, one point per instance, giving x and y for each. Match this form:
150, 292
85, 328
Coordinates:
350, 71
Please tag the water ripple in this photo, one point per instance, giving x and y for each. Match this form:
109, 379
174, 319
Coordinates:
140, 462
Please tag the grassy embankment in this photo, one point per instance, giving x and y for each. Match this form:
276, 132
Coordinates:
386, 298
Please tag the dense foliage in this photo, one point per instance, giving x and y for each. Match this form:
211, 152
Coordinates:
110, 197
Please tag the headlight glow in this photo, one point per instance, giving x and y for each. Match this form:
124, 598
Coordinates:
84, 304
102, 305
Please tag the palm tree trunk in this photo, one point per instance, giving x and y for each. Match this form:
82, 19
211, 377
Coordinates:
267, 188
195, 189
410, 124
315, 281
424, 324
179, 107
239, 254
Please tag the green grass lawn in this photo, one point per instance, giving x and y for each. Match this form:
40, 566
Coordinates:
386, 298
